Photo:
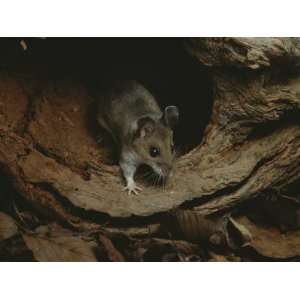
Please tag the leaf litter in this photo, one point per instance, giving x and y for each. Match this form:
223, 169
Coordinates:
182, 235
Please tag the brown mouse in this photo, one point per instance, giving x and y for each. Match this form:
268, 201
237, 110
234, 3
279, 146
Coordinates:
142, 132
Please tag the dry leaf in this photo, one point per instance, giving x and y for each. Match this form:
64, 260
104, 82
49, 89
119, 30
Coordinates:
195, 227
222, 258
217, 257
270, 242
8, 227
157, 249
237, 234
64, 247
112, 253
171, 257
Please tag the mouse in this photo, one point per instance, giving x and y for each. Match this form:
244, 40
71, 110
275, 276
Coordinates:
142, 132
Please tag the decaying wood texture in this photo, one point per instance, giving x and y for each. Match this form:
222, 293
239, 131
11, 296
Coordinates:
48, 141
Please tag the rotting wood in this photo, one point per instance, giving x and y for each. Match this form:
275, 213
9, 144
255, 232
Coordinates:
56, 156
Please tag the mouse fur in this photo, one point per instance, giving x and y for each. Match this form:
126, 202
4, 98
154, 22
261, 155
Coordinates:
142, 132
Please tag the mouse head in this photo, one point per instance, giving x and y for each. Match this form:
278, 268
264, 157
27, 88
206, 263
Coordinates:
153, 142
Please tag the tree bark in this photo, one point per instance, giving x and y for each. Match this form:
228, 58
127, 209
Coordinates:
48, 145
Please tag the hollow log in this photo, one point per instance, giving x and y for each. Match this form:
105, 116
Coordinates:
49, 150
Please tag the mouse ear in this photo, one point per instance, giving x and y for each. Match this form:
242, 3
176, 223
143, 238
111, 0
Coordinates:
145, 127
171, 116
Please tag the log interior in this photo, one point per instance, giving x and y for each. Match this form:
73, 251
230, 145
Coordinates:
226, 88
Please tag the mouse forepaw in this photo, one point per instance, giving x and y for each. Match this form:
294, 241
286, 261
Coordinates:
132, 188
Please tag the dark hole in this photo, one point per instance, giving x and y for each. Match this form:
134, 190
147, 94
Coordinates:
148, 176
161, 64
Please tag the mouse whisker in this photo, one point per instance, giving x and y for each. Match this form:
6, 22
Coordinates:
154, 181
162, 181
151, 180
146, 175
157, 180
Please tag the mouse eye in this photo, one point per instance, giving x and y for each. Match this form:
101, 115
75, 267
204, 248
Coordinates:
154, 152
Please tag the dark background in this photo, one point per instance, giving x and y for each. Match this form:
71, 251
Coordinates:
161, 64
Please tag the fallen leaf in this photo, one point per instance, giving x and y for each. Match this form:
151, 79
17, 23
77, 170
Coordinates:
237, 234
171, 257
8, 227
270, 242
214, 257
217, 257
58, 247
193, 226
157, 249
14, 249
112, 253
